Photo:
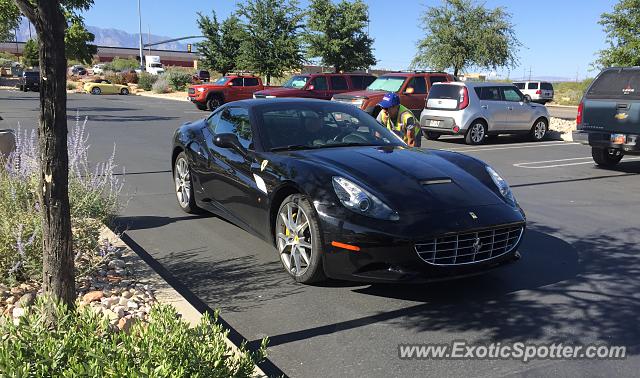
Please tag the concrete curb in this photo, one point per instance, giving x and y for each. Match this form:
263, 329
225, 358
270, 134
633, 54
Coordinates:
563, 106
164, 292
155, 95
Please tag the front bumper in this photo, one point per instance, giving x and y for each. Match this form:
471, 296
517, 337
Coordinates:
601, 139
387, 249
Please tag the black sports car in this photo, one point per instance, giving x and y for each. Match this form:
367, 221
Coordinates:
340, 196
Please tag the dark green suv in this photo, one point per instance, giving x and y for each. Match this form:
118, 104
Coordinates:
29, 80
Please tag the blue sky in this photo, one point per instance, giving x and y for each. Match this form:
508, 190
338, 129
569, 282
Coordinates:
560, 37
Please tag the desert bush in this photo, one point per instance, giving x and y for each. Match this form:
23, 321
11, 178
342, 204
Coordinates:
178, 79
130, 77
93, 196
146, 81
161, 85
72, 85
120, 64
163, 347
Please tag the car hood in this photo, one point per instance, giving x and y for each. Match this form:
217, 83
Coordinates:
284, 92
410, 180
360, 94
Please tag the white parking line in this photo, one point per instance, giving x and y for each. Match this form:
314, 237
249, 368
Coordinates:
529, 165
521, 145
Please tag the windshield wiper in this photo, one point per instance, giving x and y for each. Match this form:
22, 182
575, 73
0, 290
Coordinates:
293, 147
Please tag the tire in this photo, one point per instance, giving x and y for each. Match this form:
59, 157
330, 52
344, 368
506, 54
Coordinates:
96, 91
184, 185
527, 97
124, 91
539, 130
25, 88
432, 135
201, 107
213, 102
477, 133
293, 246
21, 88
606, 157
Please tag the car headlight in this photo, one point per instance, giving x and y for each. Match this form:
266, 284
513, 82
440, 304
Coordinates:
502, 185
358, 200
200, 89
357, 103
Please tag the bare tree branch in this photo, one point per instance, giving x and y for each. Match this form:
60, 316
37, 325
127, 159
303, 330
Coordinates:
27, 9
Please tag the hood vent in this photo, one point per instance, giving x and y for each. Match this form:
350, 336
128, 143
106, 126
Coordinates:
436, 181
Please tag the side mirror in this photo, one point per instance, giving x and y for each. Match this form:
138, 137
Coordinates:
230, 84
409, 90
311, 87
228, 140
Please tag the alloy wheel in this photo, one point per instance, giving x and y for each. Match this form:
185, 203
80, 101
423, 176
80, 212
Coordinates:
540, 130
183, 182
294, 239
477, 132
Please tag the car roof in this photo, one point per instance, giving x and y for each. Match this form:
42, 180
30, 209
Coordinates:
250, 103
476, 84
414, 73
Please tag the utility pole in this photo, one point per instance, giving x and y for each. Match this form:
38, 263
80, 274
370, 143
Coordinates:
529, 73
140, 33
149, 37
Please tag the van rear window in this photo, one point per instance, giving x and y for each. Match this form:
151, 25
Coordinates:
616, 83
546, 86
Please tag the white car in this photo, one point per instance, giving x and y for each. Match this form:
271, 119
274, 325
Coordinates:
477, 110
98, 68
537, 91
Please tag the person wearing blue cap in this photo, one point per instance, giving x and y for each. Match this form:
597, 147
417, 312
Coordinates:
399, 119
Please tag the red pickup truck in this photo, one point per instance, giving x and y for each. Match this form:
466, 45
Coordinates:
322, 86
412, 87
209, 96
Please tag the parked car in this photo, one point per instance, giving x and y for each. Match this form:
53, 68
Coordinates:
77, 70
7, 141
477, 110
102, 86
312, 178
537, 91
412, 87
29, 80
320, 86
202, 75
609, 116
228, 88
98, 68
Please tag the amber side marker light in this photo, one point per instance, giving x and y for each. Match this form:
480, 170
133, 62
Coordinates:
345, 246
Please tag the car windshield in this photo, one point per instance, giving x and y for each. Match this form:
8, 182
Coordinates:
387, 83
155, 65
304, 125
296, 82
222, 81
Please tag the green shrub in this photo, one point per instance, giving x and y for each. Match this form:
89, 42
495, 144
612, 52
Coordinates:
177, 79
146, 81
82, 343
71, 86
120, 64
161, 85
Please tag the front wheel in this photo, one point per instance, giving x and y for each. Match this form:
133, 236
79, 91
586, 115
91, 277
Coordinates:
297, 237
124, 91
184, 185
606, 157
213, 103
476, 133
96, 91
539, 130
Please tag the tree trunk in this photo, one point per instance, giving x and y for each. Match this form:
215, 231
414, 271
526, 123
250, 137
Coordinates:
268, 79
58, 266
455, 72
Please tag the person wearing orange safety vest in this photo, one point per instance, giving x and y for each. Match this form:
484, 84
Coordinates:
397, 118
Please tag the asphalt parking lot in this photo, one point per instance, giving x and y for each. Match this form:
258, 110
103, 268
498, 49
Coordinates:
577, 281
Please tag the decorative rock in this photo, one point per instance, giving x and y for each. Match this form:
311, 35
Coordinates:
8, 310
16, 291
124, 324
116, 264
109, 302
123, 301
119, 310
120, 272
92, 296
11, 300
27, 300
132, 305
110, 314
18, 312
126, 294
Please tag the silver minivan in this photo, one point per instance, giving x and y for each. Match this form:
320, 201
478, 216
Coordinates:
477, 110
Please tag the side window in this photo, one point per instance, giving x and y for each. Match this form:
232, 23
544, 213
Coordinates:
418, 84
437, 79
519, 85
213, 121
511, 94
319, 83
250, 82
338, 83
532, 86
237, 82
235, 121
488, 93
357, 82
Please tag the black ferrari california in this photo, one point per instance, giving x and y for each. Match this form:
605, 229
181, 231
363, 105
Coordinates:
340, 196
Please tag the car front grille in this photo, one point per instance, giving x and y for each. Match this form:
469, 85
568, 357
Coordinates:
192, 91
469, 247
259, 96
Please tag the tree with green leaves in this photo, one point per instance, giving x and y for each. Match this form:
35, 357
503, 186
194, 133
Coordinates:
78, 40
461, 34
336, 33
273, 42
623, 35
9, 20
31, 54
221, 48
48, 17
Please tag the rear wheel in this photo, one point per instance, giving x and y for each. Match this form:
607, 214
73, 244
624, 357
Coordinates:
124, 91
432, 135
96, 91
297, 237
184, 185
539, 129
476, 133
213, 102
606, 157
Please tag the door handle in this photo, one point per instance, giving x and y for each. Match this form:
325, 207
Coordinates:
484, 106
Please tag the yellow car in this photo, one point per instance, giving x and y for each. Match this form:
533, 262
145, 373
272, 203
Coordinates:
105, 87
